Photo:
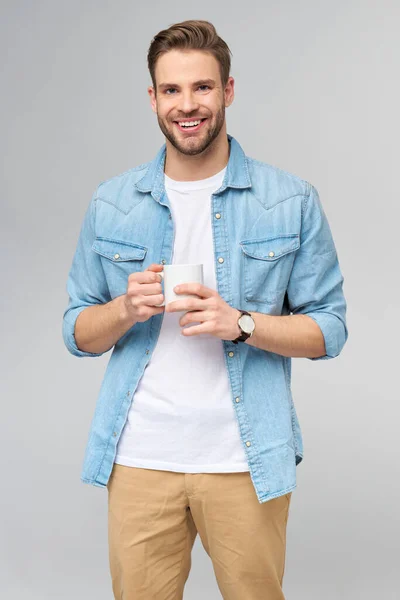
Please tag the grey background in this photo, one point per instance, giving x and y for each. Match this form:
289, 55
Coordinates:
317, 93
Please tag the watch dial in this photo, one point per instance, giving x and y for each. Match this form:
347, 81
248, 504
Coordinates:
247, 323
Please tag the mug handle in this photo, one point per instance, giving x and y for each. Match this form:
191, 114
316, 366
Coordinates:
162, 277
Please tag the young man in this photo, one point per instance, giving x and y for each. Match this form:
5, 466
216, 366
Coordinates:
195, 430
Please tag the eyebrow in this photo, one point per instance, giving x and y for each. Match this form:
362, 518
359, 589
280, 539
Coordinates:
163, 86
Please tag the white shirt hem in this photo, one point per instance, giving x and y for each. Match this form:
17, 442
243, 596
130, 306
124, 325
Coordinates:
181, 468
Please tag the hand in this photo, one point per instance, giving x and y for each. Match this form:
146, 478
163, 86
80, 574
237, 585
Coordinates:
215, 315
144, 291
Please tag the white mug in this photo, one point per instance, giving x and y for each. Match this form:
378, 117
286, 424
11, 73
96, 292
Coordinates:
173, 275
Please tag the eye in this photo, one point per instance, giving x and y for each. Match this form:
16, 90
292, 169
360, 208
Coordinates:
166, 91
204, 86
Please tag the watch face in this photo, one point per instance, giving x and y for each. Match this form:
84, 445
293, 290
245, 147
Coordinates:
247, 323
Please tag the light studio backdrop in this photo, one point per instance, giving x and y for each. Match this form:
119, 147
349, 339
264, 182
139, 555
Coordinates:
317, 94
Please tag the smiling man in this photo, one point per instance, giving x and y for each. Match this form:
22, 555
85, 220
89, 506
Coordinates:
199, 135
195, 430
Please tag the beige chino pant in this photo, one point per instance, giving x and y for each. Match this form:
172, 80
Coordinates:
154, 517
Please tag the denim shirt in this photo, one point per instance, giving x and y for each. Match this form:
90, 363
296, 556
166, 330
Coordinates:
274, 254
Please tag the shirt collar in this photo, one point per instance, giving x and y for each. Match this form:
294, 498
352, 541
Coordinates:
236, 174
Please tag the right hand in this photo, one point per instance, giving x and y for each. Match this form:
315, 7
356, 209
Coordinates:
144, 291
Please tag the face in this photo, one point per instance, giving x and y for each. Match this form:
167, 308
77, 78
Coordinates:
189, 88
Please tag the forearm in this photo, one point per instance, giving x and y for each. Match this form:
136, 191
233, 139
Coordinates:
288, 335
99, 327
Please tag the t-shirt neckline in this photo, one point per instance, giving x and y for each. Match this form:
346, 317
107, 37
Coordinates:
199, 184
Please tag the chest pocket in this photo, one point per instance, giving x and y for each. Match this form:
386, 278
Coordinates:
267, 263
119, 259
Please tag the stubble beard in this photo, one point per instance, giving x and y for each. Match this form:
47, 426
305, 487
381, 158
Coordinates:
193, 146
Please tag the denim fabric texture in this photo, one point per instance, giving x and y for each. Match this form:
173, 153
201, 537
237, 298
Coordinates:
279, 258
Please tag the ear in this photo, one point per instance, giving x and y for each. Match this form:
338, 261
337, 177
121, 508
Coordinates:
153, 100
229, 91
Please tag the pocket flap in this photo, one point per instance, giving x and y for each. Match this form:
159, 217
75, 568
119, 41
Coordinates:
271, 248
118, 250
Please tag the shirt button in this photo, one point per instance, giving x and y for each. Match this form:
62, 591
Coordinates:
217, 216
248, 443
147, 351
163, 261
220, 260
115, 434
231, 354
237, 399
271, 253
116, 256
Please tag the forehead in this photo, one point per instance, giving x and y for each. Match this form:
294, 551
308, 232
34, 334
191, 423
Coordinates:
186, 66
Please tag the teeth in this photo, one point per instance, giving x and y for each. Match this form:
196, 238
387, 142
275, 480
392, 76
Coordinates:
189, 123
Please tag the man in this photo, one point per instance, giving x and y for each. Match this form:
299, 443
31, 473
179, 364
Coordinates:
195, 430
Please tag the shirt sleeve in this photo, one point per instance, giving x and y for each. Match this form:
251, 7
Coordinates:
86, 284
316, 282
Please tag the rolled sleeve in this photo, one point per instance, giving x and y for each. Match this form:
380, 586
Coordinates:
69, 321
316, 283
86, 284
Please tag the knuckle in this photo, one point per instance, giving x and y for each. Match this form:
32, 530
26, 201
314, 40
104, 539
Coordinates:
213, 302
134, 301
133, 288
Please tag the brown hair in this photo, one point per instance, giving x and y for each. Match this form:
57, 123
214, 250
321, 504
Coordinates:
190, 35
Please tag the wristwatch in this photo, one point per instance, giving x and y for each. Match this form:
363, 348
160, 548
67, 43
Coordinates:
246, 325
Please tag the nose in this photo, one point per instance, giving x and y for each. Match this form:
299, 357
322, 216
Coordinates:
188, 102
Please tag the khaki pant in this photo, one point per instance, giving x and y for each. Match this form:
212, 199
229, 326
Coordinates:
154, 517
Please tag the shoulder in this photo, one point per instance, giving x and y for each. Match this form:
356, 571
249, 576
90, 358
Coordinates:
119, 190
263, 172
117, 182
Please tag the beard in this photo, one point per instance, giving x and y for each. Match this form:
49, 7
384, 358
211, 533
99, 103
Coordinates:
196, 144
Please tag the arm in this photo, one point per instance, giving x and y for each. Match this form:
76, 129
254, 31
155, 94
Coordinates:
293, 335
98, 328
317, 328
92, 322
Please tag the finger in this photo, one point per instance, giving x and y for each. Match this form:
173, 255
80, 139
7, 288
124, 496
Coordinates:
195, 288
155, 267
196, 329
146, 277
152, 300
194, 316
187, 304
149, 289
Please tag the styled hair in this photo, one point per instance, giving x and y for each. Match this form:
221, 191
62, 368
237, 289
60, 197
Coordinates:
190, 35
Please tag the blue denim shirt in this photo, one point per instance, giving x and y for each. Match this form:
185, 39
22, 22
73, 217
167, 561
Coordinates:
279, 258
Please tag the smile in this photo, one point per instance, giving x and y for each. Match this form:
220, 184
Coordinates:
191, 128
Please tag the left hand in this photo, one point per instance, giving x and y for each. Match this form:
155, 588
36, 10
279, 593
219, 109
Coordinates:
216, 317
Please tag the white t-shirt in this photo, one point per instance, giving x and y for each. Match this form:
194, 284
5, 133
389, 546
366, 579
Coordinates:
182, 416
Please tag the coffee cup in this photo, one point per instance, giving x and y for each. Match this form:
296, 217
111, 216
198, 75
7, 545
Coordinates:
173, 275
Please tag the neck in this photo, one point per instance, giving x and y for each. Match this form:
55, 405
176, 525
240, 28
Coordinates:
182, 167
